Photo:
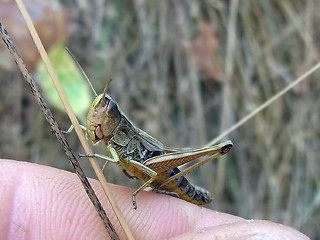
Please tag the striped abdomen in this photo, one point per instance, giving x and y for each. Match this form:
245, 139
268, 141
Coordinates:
183, 188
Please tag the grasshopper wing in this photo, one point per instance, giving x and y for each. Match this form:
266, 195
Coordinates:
175, 159
153, 144
149, 142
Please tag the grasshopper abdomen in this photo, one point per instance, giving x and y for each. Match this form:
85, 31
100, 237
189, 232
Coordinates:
184, 189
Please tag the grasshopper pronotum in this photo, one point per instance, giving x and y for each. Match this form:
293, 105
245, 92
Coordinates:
142, 155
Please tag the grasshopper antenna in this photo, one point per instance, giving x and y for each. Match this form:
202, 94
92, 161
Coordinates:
83, 73
106, 88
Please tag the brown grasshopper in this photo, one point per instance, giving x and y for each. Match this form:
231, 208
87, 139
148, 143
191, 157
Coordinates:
143, 156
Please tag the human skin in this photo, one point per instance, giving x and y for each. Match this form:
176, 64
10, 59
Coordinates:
40, 202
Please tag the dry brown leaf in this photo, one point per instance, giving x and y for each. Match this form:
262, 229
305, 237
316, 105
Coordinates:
49, 19
205, 50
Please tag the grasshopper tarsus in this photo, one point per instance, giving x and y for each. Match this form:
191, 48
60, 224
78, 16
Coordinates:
80, 155
134, 202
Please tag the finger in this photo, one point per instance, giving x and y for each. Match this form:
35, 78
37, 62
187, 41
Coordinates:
44, 202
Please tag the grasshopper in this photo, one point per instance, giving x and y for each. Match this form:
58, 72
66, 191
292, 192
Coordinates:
142, 156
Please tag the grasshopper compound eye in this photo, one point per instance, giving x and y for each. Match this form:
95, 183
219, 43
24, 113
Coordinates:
112, 109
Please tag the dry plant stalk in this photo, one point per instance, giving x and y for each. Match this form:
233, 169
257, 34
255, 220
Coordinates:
265, 104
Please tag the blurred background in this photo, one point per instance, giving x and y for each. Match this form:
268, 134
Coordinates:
183, 71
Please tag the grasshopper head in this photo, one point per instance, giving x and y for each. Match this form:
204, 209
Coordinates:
103, 117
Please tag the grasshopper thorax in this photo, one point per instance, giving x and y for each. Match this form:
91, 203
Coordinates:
103, 118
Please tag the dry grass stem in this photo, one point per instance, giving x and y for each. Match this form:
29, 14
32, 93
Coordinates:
75, 122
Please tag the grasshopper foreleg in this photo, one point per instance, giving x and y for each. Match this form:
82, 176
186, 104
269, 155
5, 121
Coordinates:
114, 157
107, 158
71, 128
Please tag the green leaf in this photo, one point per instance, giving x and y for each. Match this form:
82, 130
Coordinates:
76, 88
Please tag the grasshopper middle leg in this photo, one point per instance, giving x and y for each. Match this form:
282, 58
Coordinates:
149, 172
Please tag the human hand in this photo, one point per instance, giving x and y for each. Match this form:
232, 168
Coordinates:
39, 202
